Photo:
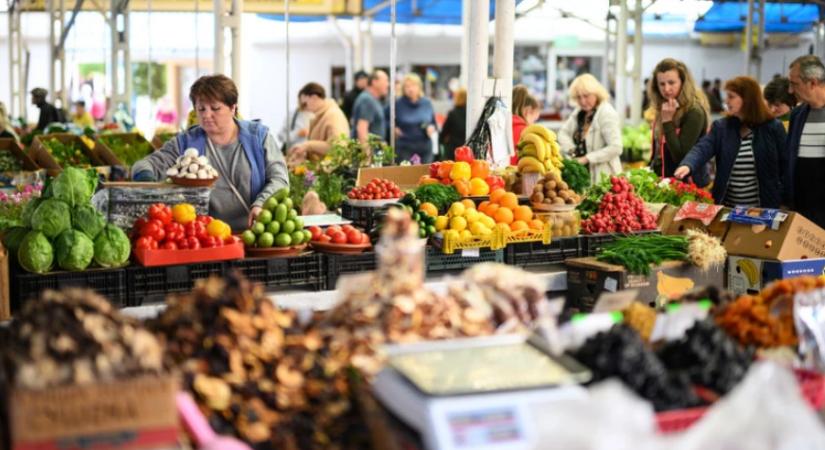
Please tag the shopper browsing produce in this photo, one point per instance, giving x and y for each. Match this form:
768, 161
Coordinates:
748, 146
525, 112
592, 134
780, 101
246, 155
454, 131
805, 192
328, 125
414, 122
681, 118
367, 112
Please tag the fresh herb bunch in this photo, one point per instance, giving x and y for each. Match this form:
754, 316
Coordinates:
440, 195
593, 196
127, 152
70, 154
8, 163
637, 253
576, 175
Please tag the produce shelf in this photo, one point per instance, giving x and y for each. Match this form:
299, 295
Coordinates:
438, 262
529, 254
592, 244
111, 283
306, 271
338, 265
152, 284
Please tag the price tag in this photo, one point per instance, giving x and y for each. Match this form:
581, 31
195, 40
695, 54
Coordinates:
471, 252
615, 301
611, 284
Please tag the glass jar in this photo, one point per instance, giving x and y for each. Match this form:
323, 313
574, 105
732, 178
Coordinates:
564, 223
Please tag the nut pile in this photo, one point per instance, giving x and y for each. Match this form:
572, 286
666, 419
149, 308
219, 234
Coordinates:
192, 166
75, 337
641, 318
552, 190
255, 371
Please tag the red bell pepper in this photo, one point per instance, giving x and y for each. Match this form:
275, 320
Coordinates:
465, 154
434, 169
137, 227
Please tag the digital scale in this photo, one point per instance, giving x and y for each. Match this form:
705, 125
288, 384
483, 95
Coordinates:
474, 393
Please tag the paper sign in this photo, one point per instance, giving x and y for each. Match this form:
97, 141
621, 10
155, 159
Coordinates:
611, 284
471, 252
615, 301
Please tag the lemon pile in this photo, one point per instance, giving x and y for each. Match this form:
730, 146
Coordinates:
463, 221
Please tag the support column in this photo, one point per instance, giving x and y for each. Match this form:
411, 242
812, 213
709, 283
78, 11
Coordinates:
607, 46
478, 48
17, 77
503, 56
357, 50
749, 38
760, 46
57, 55
121, 62
348, 51
367, 42
465, 41
228, 21
621, 61
636, 104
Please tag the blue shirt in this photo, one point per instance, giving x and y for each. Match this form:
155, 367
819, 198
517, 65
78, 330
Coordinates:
413, 119
368, 108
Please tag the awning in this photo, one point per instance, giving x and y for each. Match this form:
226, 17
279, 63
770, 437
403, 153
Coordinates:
726, 17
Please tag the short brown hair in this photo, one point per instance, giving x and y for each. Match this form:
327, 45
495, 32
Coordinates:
313, 89
754, 111
460, 97
523, 99
218, 87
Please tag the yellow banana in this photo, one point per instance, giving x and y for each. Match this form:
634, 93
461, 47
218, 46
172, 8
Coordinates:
545, 134
530, 164
548, 164
528, 149
538, 143
555, 149
750, 270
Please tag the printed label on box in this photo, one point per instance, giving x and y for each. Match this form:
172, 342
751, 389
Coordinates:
771, 218
702, 212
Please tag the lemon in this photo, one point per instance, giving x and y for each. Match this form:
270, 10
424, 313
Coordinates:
441, 223
485, 232
471, 215
488, 221
458, 223
466, 235
478, 229
457, 209
451, 235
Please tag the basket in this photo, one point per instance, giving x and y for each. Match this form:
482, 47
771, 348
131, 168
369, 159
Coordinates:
361, 216
126, 138
530, 235
449, 245
811, 383
530, 254
110, 283
39, 152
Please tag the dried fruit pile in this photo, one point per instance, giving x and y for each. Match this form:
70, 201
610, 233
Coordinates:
75, 337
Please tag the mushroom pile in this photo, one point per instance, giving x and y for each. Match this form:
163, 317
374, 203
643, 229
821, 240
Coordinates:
192, 166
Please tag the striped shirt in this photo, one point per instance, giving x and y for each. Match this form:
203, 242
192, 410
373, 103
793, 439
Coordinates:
812, 142
743, 187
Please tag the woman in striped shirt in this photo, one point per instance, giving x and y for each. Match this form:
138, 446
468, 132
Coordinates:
748, 146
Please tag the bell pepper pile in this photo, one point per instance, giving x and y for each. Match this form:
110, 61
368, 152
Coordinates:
469, 176
179, 228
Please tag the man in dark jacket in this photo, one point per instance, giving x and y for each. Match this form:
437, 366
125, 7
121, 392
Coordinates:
48, 113
805, 145
361, 79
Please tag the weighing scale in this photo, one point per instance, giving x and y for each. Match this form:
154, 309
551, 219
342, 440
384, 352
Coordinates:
475, 393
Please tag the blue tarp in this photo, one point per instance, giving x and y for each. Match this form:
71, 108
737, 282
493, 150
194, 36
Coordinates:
726, 17
438, 12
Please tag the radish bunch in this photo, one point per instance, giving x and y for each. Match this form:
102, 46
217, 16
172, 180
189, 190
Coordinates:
620, 211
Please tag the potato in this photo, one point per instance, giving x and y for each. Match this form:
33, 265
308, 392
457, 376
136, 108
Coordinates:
564, 195
566, 230
563, 185
569, 201
537, 197
550, 185
558, 201
551, 194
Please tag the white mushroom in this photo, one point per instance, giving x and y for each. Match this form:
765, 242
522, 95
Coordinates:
191, 176
203, 160
191, 152
172, 172
203, 174
194, 168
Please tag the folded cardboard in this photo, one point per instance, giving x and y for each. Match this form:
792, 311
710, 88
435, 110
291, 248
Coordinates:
751, 275
138, 413
406, 177
694, 216
776, 236
588, 278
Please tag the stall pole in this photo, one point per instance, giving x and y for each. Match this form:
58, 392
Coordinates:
218, 59
393, 70
760, 46
234, 24
367, 39
465, 41
121, 73
607, 46
479, 41
286, 70
17, 79
57, 55
636, 106
349, 50
503, 53
749, 38
621, 62
357, 50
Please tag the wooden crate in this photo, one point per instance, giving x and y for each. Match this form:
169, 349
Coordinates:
125, 137
41, 156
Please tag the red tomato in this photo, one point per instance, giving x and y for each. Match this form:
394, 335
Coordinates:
204, 219
183, 243
347, 228
193, 242
316, 232
331, 230
160, 212
365, 238
324, 238
174, 231
137, 227
339, 238
169, 245
154, 229
146, 243
354, 237
208, 241
229, 241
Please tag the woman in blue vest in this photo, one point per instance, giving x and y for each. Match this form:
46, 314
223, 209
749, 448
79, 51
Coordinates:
245, 154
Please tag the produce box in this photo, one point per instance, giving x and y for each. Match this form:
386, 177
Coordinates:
406, 177
339, 265
153, 284
28, 173
110, 283
161, 257
123, 202
437, 262
5, 288
39, 152
139, 413
531, 254
588, 278
134, 147
771, 234
751, 275
695, 216
306, 270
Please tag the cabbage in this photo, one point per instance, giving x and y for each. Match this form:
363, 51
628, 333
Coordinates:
52, 217
12, 239
35, 253
74, 250
74, 186
88, 220
112, 247
28, 211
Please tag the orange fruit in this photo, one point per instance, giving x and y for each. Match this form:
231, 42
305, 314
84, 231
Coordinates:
428, 208
479, 187
444, 170
504, 215
537, 224
518, 225
523, 213
491, 209
463, 187
482, 207
468, 204
495, 196
509, 200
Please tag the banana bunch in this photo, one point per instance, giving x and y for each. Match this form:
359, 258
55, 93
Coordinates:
538, 151
751, 271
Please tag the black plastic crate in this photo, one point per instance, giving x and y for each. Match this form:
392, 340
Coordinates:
111, 283
338, 265
152, 284
592, 244
529, 254
305, 271
438, 261
361, 216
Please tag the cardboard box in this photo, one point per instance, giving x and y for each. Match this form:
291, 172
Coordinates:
670, 224
790, 237
406, 177
588, 278
132, 414
751, 275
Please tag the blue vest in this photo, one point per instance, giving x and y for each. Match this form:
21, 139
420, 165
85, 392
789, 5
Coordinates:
251, 135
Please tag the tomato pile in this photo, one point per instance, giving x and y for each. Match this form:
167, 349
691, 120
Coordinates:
377, 189
179, 228
346, 234
620, 211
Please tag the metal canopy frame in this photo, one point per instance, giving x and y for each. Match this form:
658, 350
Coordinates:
17, 65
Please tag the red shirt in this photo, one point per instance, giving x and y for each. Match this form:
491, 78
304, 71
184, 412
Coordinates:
519, 125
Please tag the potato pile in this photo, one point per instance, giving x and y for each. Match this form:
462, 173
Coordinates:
552, 190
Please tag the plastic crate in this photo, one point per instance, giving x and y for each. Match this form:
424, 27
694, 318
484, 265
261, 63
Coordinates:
530, 254
361, 216
305, 270
811, 383
592, 244
111, 283
437, 261
123, 203
337, 265
152, 284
